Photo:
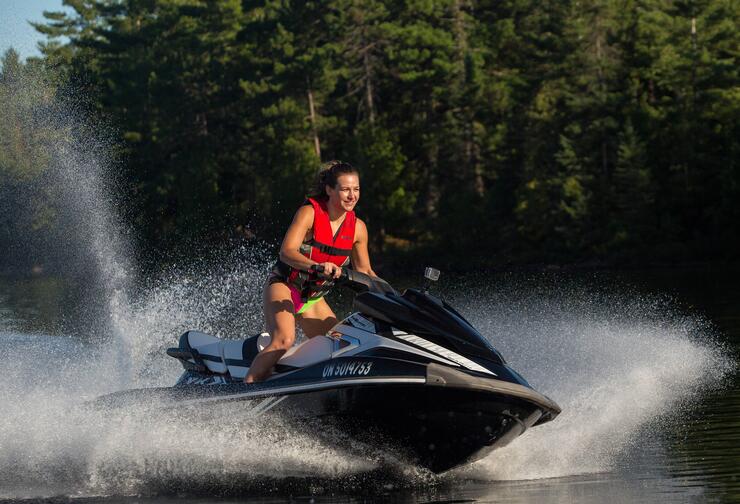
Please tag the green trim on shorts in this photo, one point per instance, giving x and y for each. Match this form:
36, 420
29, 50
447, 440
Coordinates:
308, 304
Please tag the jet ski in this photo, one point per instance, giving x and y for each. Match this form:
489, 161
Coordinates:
404, 372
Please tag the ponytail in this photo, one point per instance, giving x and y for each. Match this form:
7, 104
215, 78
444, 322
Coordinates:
327, 176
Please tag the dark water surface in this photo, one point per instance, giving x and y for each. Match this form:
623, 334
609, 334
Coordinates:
643, 364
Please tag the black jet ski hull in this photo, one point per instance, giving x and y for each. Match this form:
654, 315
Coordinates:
430, 415
431, 427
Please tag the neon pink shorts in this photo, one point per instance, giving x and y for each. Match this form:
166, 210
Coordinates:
298, 305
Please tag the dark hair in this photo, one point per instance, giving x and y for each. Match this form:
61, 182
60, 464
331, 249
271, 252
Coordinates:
328, 175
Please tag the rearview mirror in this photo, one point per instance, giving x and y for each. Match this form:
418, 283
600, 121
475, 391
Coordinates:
431, 274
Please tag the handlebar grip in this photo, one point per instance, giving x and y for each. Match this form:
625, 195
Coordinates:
318, 268
356, 280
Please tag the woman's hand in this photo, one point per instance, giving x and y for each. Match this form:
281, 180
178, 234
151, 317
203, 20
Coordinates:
331, 270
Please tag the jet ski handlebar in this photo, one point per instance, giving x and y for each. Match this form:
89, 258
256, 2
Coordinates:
356, 281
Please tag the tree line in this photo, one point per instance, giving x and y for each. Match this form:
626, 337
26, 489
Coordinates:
486, 132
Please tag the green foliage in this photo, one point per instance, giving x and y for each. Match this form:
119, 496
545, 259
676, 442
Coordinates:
389, 204
514, 130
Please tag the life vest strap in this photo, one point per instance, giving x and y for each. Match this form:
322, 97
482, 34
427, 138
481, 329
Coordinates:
328, 249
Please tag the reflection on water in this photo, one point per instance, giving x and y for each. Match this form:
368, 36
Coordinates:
672, 442
49, 305
31, 304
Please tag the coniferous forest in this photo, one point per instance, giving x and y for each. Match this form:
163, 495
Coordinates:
486, 132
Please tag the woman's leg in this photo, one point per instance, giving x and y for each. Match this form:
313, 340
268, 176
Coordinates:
280, 321
318, 319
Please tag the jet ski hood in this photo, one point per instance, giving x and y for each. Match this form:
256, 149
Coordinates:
420, 313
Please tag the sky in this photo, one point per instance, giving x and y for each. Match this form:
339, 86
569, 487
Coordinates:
14, 28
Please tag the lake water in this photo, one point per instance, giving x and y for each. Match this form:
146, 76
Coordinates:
642, 362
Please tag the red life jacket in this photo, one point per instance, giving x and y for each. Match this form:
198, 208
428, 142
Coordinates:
323, 247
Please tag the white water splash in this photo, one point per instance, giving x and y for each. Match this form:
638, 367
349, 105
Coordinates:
616, 362
51, 444
223, 299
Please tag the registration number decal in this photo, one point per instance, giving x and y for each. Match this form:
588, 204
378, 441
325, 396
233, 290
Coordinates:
350, 368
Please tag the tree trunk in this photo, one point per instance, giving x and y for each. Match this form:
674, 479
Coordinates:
470, 157
314, 128
368, 85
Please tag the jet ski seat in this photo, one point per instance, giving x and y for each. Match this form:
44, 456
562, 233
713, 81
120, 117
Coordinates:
202, 352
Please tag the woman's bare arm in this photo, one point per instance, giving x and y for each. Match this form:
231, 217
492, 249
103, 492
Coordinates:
360, 254
290, 249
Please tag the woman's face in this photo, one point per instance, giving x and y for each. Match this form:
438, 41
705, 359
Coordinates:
346, 193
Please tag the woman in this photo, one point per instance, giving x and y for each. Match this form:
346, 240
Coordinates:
324, 232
